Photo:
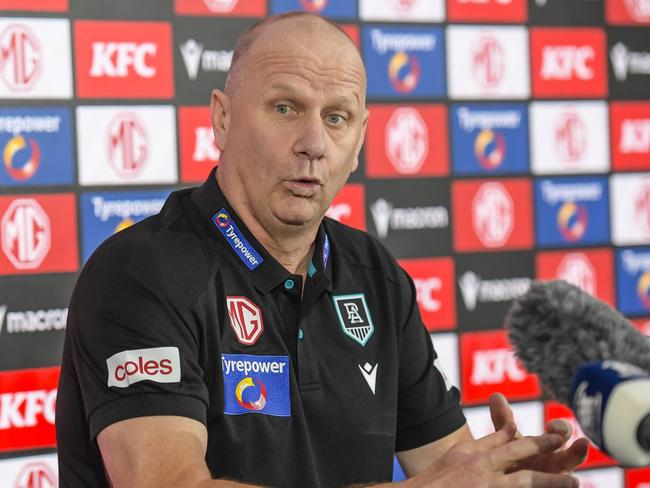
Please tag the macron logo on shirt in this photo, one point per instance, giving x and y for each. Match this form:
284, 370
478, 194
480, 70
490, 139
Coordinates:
159, 364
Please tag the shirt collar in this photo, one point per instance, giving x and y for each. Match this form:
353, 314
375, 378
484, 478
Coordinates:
210, 200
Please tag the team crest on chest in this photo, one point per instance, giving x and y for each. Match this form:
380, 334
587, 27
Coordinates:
245, 319
354, 316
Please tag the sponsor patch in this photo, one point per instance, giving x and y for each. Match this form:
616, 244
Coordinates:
159, 364
354, 316
256, 384
245, 319
244, 250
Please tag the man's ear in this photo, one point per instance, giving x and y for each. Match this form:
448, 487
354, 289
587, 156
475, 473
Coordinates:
362, 136
220, 113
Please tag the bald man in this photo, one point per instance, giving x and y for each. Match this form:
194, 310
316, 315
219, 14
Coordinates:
241, 338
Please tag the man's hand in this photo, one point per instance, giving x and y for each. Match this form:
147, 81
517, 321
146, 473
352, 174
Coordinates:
558, 461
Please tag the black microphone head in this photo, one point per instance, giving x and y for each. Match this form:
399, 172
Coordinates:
555, 327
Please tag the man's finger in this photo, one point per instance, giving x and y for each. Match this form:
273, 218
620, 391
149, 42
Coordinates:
500, 411
561, 427
569, 459
496, 439
535, 479
507, 455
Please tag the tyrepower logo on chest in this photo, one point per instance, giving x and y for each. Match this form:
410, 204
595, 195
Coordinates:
123, 59
256, 384
158, 364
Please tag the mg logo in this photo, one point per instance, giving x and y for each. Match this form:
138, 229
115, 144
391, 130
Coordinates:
128, 145
20, 55
36, 475
639, 10
570, 137
401, 5
407, 140
575, 268
245, 319
492, 214
642, 208
220, 5
489, 62
25, 233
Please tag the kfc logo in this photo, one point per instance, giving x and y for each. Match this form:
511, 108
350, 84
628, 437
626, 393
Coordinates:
124, 59
21, 56
159, 364
127, 144
568, 62
348, 206
26, 234
493, 367
36, 475
630, 132
492, 214
199, 153
245, 319
575, 268
570, 137
635, 136
407, 140
489, 62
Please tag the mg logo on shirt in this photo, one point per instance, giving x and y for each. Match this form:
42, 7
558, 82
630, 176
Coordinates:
245, 319
354, 317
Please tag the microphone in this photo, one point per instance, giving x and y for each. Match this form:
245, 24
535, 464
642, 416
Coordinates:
587, 356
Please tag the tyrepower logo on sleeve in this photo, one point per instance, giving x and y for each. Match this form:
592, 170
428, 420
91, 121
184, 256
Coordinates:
236, 8
630, 204
399, 141
349, 206
256, 384
406, 61
35, 58
38, 234
569, 137
123, 59
27, 404
487, 62
36, 146
131, 145
592, 270
489, 138
488, 364
568, 63
402, 10
158, 364
572, 211
496, 215
628, 12
487, 10
31, 471
630, 130
434, 284
633, 279
199, 153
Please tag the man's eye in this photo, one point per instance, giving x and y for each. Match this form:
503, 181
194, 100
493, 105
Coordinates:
335, 119
282, 109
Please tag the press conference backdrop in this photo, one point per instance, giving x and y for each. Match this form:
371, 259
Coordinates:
509, 140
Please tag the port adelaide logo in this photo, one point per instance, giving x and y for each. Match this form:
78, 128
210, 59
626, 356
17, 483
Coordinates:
354, 317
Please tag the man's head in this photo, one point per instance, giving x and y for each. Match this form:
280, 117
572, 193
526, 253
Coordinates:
291, 121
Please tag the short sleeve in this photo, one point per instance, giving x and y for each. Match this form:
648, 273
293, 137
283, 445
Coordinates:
427, 409
134, 351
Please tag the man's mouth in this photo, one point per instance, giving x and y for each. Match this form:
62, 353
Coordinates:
304, 187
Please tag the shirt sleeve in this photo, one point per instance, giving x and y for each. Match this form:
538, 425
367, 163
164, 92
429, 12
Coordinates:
135, 352
428, 406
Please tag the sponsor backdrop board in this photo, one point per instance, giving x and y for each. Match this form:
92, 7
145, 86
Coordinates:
508, 141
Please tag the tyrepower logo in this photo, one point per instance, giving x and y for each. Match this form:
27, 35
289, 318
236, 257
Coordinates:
38, 234
126, 145
633, 280
592, 270
398, 141
487, 10
123, 59
630, 208
199, 153
434, 284
568, 63
237, 8
628, 12
487, 63
35, 58
569, 137
497, 215
27, 405
630, 130
402, 10
158, 364
349, 206
488, 365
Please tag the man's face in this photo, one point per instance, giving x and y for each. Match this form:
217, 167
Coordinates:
297, 121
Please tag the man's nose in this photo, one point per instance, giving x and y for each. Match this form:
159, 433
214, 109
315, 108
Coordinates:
310, 142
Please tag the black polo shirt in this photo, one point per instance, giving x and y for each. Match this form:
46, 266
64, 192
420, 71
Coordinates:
187, 314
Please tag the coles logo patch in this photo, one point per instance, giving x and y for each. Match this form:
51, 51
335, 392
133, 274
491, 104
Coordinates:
256, 384
245, 319
158, 364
